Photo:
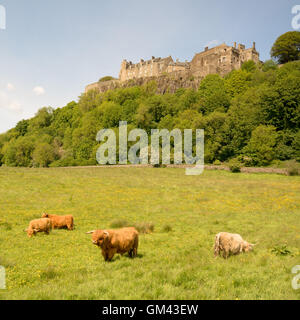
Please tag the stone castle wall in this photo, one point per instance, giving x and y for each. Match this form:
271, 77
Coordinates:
171, 75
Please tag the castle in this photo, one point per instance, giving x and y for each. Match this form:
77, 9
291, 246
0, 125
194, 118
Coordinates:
220, 60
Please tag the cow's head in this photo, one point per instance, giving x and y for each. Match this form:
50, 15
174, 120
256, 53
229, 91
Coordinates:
30, 232
247, 246
45, 215
99, 237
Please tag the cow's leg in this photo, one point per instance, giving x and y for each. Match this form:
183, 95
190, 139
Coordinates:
104, 254
135, 247
130, 252
110, 255
134, 251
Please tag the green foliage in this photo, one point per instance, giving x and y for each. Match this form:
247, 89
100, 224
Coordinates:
217, 162
22, 127
281, 250
18, 153
287, 47
269, 65
293, 168
228, 109
43, 155
106, 78
237, 82
235, 165
213, 94
249, 66
261, 145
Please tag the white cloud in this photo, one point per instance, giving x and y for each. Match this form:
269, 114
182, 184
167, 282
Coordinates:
9, 104
39, 90
10, 87
212, 43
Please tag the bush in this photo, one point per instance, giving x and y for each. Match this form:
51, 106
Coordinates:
281, 250
106, 78
261, 145
167, 228
245, 160
43, 155
119, 224
49, 273
217, 163
144, 227
235, 165
293, 168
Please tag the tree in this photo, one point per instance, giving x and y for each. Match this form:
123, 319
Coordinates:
22, 127
249, 66
213, 94
237, 82
261, 145
43, 155
269, 65
18, 153
287, 47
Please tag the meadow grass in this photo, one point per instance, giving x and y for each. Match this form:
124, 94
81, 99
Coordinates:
175, 261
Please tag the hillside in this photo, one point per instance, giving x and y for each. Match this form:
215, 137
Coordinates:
252, 114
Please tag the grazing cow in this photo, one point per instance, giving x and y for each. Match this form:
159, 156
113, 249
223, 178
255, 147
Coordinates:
229, 243
38, 225
60, 222
116, 241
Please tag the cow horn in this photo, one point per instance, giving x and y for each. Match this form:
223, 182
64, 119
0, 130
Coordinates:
106, 232
90, 232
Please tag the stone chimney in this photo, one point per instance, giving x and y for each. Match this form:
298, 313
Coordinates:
234, 45
206, 49
253, 47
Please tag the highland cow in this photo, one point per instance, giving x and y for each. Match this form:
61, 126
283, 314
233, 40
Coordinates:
60, 222
116, 241
39, 225
229, 243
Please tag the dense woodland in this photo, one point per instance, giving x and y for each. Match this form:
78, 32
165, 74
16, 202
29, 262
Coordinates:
252, 115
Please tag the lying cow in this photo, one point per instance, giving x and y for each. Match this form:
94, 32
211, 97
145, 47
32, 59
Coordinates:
60, 222
229, 243
39, 225
116, 241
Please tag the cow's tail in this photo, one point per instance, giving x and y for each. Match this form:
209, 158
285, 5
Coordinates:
217, 245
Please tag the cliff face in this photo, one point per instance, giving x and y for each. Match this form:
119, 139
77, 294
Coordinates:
165, 83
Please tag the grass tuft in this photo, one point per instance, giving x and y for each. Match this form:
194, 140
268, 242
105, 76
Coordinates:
167, 228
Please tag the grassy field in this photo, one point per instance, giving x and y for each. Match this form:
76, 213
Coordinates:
179, 264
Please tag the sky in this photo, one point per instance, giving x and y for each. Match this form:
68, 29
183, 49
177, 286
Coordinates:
50, 50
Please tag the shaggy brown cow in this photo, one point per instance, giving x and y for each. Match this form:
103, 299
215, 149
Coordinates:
60, 222
39, 225
229, 243
116, 241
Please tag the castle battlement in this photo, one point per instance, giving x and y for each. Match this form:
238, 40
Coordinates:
221, 60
